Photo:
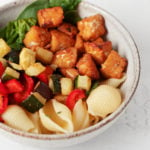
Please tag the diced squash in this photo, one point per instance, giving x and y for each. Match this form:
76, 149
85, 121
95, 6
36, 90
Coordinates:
92, 27
43, 89
15, 66
4, 48
54, 83
114, 66
9, 74
60, 40
34, 102
35, 69
50, 17
43, 55
66, 86
26, 58
3, 61
83, 82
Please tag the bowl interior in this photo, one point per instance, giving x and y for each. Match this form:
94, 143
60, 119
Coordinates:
122, 42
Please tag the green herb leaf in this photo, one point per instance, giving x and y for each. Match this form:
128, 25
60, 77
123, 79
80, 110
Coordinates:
15, 31
31, 10
70, 9
65, 4
72, 16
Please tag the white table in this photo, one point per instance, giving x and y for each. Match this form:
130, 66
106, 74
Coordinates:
132, 130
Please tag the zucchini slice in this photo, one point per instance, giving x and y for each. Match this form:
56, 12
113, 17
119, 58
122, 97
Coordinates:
34, 102
9, 74
43, 90
54, 83
66, 86
83, 82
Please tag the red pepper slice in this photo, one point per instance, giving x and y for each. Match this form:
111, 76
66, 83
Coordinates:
44, 76
28, 83
73, 97
14, 86
3, 103
3, 89
2, 69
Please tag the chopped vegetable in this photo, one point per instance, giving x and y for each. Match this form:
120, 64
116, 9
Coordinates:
43, 90
2, 69
66, 86
83, 82
15, 31
14, 86
3, 89
3, 103
9, 74
54, 83
4, 48
34, 102
45, 75
74, 96
28, 83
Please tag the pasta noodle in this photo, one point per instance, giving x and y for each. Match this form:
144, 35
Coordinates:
56, 117
114, 81
16, 117
80, 116
103, 100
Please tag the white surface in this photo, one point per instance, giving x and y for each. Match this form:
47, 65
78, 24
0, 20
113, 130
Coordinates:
132, 130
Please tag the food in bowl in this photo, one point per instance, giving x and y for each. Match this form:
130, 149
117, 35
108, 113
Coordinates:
58, 76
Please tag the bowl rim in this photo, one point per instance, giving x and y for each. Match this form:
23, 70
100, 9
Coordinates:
105, 121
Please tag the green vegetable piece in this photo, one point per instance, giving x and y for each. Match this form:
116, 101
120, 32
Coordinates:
65, 4
34, 102
31, 10
13, 56
70, 9
56, 83
9, 74
15, 31
72, 16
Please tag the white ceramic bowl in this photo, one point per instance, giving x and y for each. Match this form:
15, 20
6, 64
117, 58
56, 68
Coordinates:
122, 41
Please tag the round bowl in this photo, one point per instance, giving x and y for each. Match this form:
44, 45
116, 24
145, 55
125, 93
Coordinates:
122, 41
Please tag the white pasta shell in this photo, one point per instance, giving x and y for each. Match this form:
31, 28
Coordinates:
15, 117
56, 117
34, 117
80, 116
103, 100
114, 82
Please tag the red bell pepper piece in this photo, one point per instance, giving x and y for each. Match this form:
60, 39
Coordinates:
3, 103
73, 97
2, 69
3, 89
28, 83
44, 76
14, 86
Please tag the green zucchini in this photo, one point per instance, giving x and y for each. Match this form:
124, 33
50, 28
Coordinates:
95, 84
54, 83
34, 102
83, 82
13, 56
9, 74
66, 86
43, 90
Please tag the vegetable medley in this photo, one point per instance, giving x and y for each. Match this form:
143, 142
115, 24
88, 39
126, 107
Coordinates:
58, 73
